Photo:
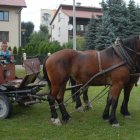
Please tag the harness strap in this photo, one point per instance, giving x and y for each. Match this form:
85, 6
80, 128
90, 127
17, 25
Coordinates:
99, 61
94, 76
91, 79
122, 53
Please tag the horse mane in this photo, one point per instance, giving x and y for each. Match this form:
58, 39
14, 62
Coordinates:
130, 42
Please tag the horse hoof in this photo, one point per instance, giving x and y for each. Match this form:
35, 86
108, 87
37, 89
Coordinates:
56, 121
106, 120
116, 125
80, 109
90, 105
127, 116
66, 119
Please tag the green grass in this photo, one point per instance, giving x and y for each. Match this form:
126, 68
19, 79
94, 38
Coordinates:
33, 123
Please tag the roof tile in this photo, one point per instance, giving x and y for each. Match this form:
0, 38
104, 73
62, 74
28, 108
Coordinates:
18, 3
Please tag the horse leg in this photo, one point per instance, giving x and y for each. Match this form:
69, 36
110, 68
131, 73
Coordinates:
88, 105
65, 115
54, 116
107, 107
124, 107
60, 98
75, 97
115, 93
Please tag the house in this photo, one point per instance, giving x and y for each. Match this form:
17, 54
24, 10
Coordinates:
46, 17
10, 21
61, 24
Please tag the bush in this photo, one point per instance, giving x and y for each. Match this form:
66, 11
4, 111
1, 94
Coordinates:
20, 51
80, 43
9, 48
15, 50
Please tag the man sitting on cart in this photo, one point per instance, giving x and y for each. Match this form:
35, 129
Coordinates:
5, 53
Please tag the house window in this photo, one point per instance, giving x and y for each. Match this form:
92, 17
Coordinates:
80, 27
4, 15
4, 36
46, 18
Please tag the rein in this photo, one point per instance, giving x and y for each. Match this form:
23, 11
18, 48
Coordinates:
137, 53
98, 96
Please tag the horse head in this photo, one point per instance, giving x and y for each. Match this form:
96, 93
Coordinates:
132, 44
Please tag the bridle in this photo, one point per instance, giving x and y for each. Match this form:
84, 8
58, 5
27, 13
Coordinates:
122, 52
137, 53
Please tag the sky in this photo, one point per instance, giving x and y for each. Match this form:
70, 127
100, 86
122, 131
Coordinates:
32, 12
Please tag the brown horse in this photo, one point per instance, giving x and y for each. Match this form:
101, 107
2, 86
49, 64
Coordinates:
114, 65
87, 104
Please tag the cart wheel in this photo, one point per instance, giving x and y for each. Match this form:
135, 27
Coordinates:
5, 107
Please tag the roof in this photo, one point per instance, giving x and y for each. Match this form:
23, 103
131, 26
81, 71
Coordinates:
81, 14
16, 3
81, 11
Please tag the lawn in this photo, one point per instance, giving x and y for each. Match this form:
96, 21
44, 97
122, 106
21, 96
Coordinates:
33, 123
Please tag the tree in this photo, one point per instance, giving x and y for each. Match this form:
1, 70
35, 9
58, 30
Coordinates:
54, 47
9, 48
37, 37
20, 51
44, 29
27, 30
91, 33
134, 16
80, 43
106, 33
114, 23
15, 50
29, 50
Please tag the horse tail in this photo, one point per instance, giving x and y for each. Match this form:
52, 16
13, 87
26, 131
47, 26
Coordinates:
45, 74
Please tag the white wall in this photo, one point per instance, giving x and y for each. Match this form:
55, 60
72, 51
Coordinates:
48, 19
13, 26
63, 25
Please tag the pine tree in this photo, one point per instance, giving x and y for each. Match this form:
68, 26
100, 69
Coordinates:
15, 51
115, 23
20, 51
134, 16
105, 34
91, 33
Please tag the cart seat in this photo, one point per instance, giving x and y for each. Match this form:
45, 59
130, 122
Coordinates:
21, 83
32, 68
31, 65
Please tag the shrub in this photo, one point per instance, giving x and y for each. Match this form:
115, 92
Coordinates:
15, 50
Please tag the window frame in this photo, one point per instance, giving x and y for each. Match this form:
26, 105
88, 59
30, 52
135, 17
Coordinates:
4, 33
4, 16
